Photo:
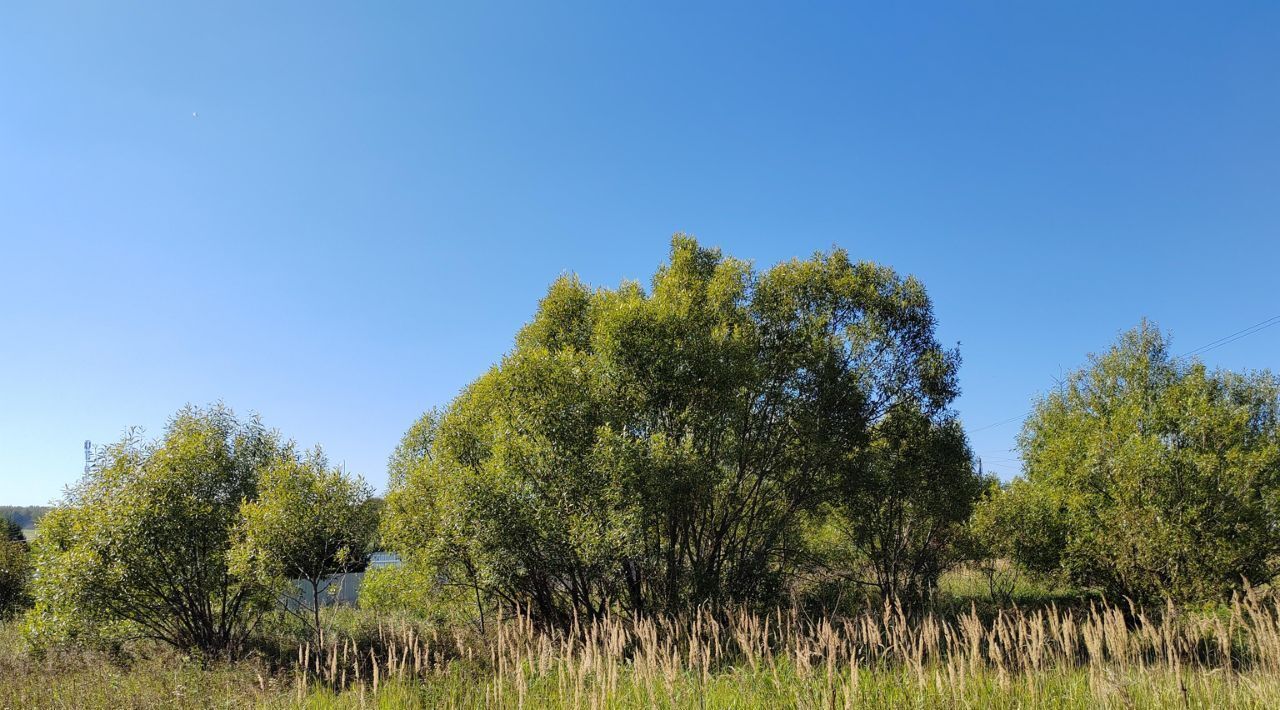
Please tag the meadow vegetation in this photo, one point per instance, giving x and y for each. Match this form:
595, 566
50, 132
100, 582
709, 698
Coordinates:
1092, 656
733, 488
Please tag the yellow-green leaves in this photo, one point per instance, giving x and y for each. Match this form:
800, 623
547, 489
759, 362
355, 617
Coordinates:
309, 521
642, 451
1166, 474
139, 546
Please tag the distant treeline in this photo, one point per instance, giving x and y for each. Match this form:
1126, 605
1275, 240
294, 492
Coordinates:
24, 515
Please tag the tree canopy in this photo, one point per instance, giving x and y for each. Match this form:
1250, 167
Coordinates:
15, 575
648, 450
907, 508
139, 547
1162, 476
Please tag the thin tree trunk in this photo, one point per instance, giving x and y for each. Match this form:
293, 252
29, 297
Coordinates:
315, 610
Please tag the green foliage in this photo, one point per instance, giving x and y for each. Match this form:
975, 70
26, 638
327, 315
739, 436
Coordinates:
309, 521
1021, 522
139, 547
15, 577
414, 448
646, 451
15, 569
395, 588
906, 507
1014, 528
408, 589
1150, 476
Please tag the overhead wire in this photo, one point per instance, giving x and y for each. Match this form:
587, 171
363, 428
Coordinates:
1213, 345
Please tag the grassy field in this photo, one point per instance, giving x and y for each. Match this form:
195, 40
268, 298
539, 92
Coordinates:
1095, 656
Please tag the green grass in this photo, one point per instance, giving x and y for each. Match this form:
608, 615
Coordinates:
171, 682
177, 685
743, 688
805, 665
92, 680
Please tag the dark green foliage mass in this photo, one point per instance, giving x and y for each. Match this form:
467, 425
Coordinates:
653, 450
15, 569
905, 510
11, 532
15, 574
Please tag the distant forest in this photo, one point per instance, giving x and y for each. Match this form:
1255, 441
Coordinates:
24, 515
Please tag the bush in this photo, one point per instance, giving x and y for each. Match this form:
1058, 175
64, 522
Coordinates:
309, 522
407, 590
1150, 476
650, 451
139, 548
1014, 528
906, 514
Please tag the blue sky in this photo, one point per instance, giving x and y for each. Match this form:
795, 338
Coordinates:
374, 196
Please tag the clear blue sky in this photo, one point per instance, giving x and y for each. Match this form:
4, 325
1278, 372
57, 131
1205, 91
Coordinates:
374, 195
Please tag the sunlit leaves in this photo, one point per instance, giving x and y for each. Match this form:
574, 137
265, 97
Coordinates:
1166, 474
644, 450
139, 547
309, 521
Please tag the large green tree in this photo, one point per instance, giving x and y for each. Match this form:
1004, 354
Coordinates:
1162, 476
139, 547
646, 450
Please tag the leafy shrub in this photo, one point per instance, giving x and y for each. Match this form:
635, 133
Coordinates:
1150, 476
139, 548
309, 522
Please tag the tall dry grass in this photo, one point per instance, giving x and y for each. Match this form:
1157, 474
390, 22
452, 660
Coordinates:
1098, 655
1094, 656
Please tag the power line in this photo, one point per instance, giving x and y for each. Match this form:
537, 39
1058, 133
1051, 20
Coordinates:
1214, 345
1227, 340
1000, 423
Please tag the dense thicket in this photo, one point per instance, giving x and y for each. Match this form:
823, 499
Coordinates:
11, 532
139, 547
191, 538
904, 510
1150, 476
652, 450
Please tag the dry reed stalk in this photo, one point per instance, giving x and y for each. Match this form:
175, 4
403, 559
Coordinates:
653, 657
